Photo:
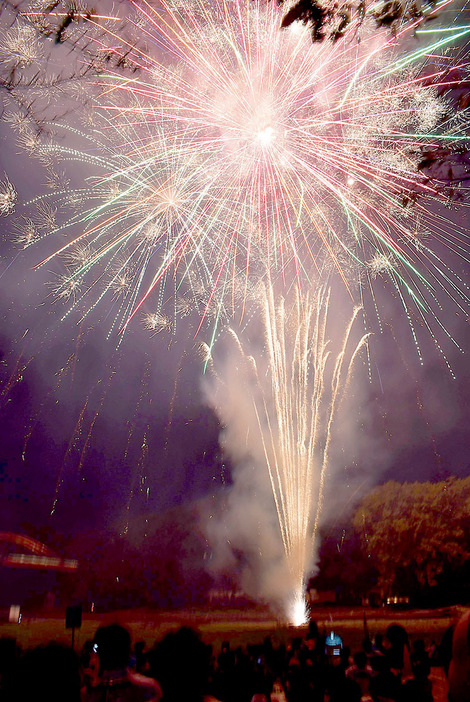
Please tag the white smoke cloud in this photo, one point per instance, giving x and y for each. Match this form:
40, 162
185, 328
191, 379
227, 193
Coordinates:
246, 535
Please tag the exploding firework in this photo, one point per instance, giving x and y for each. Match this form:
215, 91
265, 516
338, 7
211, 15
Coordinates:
294, 393
8, 197
237, 151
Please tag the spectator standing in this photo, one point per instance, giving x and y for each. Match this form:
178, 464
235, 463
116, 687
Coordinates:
49, 673
360, 665
419, 687
459, 667
182, 664
116, 682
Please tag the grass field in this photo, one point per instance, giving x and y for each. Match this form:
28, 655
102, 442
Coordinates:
240, 626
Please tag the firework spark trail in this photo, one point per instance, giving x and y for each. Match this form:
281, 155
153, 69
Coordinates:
131, 429
25, 358
296, 434
74, 437
240, 151
298, 387
91, 428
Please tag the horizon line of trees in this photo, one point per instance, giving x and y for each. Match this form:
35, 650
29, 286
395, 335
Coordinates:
404, 539
409, 539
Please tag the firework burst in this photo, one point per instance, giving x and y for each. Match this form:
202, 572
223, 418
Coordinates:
8, 197
238, 150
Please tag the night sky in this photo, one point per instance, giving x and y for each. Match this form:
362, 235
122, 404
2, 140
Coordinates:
92, 435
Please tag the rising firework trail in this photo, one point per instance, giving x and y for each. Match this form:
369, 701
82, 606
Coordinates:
295, 400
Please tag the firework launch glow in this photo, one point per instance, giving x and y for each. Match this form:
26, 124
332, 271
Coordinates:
299, 612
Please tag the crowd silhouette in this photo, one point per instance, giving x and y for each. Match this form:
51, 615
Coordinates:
318, 667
